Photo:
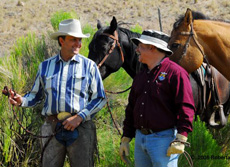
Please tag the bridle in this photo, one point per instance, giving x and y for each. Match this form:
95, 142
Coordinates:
116, 41
190, 35
115, 37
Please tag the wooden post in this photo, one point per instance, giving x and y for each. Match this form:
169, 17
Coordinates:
159, 16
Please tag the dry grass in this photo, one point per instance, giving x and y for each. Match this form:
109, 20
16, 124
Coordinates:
34, 16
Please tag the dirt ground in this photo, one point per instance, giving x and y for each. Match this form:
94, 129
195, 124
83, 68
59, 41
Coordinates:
17, 18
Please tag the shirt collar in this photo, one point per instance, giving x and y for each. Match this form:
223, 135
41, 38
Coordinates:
74, 58
158, 65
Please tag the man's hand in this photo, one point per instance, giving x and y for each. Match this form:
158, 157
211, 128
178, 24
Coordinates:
177, 145
72, 122
14, 98
124, 149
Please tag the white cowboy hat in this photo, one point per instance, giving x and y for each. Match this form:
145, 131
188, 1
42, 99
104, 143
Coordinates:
155, 38
71, 27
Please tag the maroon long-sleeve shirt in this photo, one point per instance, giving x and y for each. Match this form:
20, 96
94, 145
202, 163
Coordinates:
160, 99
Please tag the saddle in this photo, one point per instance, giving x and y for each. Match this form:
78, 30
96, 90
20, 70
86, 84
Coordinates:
214, 87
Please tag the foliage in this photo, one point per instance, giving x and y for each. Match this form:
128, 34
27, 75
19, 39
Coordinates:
204, 149
57, 17
17, 148
137, 29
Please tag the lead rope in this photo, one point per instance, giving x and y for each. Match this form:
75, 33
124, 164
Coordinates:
6, 92
189, 158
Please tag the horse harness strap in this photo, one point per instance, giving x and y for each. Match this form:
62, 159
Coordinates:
116, 41
191, 35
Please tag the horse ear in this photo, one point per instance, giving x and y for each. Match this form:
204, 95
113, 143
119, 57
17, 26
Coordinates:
113, 25
99, 25
188, 16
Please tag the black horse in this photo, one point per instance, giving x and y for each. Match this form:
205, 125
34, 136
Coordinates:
104, 41
111, 49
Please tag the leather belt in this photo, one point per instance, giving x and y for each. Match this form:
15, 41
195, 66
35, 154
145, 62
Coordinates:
58, 117
146, 131
52, 118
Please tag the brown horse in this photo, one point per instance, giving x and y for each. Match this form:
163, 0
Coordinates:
192, 40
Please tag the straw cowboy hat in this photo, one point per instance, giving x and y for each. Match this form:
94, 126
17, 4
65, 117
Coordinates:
155, 38
71, 27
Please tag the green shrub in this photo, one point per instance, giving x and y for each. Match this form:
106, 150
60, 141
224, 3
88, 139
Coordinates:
57, 17
137, 29
17, 148
204, 149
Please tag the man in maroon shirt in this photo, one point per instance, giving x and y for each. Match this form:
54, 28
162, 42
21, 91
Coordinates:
160, 105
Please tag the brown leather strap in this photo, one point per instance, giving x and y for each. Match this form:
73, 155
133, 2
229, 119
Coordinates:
52, 118
116, 41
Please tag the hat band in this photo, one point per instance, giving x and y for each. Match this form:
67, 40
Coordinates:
154, 40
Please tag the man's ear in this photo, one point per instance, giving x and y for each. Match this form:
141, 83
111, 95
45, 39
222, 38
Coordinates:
61, 40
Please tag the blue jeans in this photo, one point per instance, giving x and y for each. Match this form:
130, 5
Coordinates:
80, 152
65, 137
151, 150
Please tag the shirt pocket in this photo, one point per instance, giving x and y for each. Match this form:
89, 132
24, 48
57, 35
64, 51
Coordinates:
51, 82
79, 82
159, 88
155, 88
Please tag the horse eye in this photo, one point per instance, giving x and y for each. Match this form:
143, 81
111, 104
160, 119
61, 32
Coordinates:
175, 46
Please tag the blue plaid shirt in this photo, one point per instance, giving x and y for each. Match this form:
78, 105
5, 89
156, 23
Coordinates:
74, 86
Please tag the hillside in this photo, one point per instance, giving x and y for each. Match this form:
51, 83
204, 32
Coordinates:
17, 18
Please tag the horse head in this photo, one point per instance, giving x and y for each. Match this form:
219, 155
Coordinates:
105, 49
187, 52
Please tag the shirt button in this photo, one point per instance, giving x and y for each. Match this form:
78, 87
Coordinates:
142, 103
141, 115
142, 127
145, 92
148, 81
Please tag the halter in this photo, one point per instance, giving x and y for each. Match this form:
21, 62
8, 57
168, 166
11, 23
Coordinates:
190, 35
115, 37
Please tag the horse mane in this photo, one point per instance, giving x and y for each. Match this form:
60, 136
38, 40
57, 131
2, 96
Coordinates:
195, 15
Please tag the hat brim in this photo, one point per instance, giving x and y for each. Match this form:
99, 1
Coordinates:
136, 41
77, 35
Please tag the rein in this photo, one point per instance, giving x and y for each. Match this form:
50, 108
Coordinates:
6, 92
115, 37
116, 41
119, 92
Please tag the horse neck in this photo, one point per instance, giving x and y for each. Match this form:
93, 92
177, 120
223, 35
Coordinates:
131, 64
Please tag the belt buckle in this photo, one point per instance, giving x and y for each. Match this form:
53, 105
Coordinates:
144, 131
63, 116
